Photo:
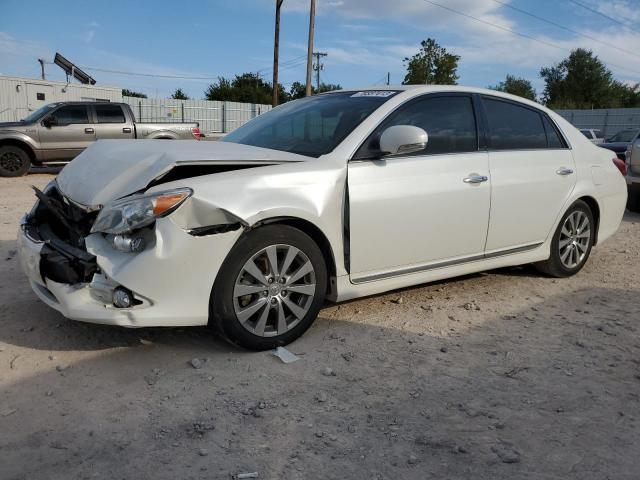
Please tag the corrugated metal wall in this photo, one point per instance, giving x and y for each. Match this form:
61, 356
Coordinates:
213, 116
609, 121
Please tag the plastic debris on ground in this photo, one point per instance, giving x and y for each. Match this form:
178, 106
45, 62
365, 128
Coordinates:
286, 356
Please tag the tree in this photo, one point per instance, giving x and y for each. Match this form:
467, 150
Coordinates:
431, 65
583, 81
179, 95
246, 88
130, 93
516, 86
298, 90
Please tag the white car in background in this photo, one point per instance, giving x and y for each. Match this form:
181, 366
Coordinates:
335, 196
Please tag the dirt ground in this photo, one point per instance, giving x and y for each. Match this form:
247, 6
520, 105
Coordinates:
502, 375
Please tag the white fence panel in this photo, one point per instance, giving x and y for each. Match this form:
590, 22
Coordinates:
213, 116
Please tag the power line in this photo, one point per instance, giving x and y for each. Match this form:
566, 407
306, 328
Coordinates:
550, 22
593, 10
515, 32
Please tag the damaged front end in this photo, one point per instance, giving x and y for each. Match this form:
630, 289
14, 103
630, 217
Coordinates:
61, 226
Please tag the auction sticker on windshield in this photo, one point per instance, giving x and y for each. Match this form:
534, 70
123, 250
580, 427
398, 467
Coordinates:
375, 93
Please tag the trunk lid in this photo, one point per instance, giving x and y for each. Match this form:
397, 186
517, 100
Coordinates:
111, 169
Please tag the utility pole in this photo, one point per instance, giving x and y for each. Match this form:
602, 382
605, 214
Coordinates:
312, 15
41, 61
317, 67
276, 47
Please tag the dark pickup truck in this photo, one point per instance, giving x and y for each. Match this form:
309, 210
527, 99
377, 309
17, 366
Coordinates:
58, 132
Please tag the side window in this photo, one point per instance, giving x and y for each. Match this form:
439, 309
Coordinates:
71, 114
109, 114
553, 137
512, 127
448, 120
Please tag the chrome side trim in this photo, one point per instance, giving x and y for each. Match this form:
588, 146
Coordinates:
444, 264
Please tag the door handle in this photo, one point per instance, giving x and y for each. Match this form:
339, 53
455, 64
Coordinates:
475, 178
564, 171
88, 130
126, 130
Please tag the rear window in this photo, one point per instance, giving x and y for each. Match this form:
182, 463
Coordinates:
109, 114
514, 127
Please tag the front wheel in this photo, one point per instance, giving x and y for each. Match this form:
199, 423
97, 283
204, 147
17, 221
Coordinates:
270, 288
571, 244
14, 161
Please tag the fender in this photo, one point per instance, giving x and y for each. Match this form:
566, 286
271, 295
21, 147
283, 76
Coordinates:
313, 191
162, 134
15, 137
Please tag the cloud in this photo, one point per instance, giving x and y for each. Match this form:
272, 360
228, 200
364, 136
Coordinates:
89, 35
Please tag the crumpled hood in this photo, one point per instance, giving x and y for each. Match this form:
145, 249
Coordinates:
111, 169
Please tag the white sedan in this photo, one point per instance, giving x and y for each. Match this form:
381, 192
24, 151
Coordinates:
335, 196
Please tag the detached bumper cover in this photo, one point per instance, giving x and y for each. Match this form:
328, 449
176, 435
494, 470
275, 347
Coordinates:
173, 279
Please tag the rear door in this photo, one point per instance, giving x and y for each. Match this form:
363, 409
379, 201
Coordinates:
411, 213
111, 122
532, 174
71, 132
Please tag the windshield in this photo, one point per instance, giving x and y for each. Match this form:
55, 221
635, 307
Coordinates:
624, 136
311, 126
41, 112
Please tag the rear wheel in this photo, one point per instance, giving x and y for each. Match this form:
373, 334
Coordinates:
633, 199
14, 161
571, 243
270, 288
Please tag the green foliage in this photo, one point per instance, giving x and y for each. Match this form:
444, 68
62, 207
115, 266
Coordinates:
583, 81
298, 89
130, 93
179, 95
516, 86
431, 65
246, 88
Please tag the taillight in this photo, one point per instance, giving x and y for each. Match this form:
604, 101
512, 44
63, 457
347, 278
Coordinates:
195, 131
621, 166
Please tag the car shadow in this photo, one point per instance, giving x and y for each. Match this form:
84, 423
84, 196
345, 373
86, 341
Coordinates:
521, 393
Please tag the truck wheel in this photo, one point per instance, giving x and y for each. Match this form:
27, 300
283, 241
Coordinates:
633, 199
14, 161
270, 288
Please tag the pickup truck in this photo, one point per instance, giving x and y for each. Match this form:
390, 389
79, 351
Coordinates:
58, 132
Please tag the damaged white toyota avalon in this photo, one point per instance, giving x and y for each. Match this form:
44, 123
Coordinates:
330, 197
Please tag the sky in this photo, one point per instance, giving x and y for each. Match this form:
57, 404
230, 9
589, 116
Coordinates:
364, 39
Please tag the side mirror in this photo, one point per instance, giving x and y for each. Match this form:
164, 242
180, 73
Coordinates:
403, 139
49, 122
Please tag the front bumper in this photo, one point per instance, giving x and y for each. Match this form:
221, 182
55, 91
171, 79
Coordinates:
172, 280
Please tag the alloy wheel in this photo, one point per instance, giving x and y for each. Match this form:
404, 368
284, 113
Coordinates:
575, 237
10, 162
274, 290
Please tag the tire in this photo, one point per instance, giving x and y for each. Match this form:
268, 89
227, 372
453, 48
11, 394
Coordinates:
633, 199
568, 259
14, 161
255, 320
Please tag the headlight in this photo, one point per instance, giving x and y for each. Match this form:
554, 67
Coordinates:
137, 211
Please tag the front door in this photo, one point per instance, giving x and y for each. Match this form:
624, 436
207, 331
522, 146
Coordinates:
532, 175
70, 132
428, 208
